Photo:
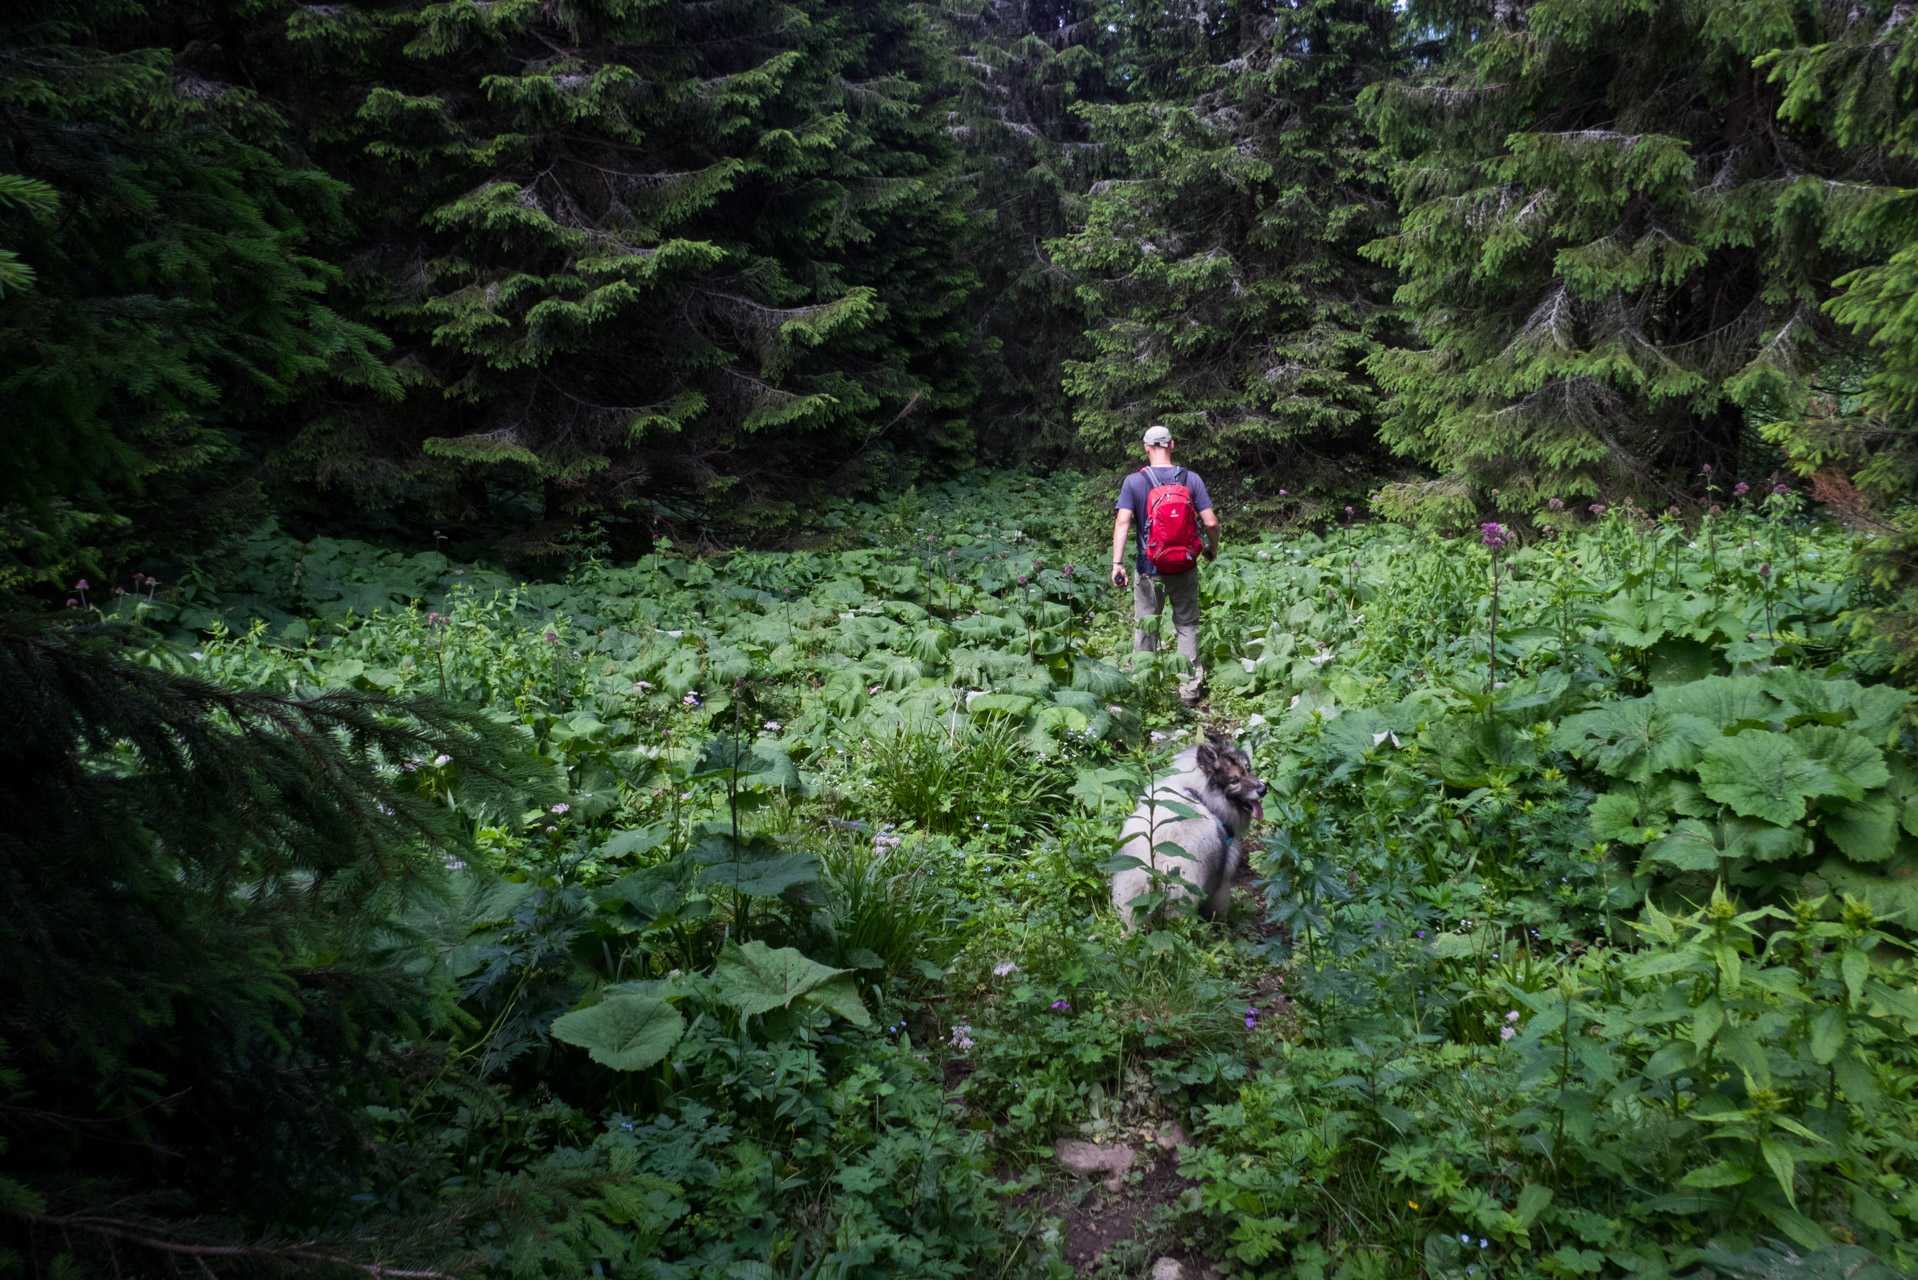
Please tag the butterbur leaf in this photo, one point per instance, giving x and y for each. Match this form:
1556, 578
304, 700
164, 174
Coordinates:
1866, 831
754, 978
1691, 846
626, 844
1856, 766
1615, 817
762, 877
626, 1033
1762, 775
1635, 739
1759, 841
840, 995
1727, 703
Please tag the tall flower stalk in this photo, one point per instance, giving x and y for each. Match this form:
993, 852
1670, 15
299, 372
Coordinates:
1494, 536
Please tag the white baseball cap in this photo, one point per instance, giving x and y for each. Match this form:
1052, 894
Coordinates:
1156, 434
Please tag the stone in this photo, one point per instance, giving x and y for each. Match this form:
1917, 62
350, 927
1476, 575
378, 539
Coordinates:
1089, 1158
1172, 1135
1168, 1269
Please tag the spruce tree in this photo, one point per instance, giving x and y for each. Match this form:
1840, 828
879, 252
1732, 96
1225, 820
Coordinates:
1613, 247
1221, 260
159, 293
1020, 71
1860, 419
642, 252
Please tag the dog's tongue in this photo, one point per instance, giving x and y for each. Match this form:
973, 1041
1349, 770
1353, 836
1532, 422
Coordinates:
1258, 809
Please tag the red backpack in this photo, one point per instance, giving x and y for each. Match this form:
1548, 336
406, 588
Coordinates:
1171, 526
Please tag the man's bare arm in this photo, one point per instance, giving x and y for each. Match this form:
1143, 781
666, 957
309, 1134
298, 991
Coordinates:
1120, 527
1210, 519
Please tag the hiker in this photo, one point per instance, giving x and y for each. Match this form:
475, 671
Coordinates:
1166, 504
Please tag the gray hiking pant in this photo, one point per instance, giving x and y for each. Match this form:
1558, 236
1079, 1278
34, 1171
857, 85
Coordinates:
1150, 592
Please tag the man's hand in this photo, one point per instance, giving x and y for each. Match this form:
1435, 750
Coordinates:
1211, 551
1119, 578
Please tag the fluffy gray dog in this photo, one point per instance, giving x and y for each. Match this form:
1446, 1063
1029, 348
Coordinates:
1215, 779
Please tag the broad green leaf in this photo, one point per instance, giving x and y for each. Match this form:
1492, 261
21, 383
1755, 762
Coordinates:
1856, 766
1011, 705
1760, 841
840, 995
1890, 887
1101, 789
1635, 739
626, 844
626, 1033
1866, 831
1855, 966
1678, 660
1724, 702
1706, 1020
1691, 846
1762, 775
1779, 1157
755, 978
1615, 816
1723, 1173
762, 877
1531, 1202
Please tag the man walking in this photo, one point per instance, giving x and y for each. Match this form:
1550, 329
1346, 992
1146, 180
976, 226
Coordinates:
1166, 504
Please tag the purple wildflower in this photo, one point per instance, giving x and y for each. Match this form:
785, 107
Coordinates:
1062, 1004
1022, 579
1598, 508
1740, 489
1493, 534
1706, 468
552, 637
1781, 489
1556, 504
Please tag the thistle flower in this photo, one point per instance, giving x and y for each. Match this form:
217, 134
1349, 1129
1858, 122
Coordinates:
1348, 511
1022, 579
552, 637
1069, 569
1764, 570
81, 585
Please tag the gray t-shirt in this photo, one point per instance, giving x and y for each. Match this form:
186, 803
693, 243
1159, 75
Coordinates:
1132, 498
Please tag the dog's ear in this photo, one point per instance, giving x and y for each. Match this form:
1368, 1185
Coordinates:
1218, 738
1207, 758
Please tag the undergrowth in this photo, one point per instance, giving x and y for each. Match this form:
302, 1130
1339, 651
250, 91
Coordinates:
1577, 948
